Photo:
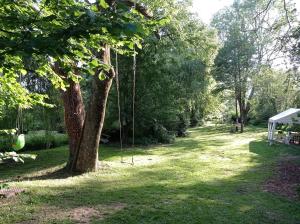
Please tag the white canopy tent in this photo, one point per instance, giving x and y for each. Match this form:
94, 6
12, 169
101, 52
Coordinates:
290, 116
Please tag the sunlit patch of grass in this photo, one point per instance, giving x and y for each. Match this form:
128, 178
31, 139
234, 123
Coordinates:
211, 176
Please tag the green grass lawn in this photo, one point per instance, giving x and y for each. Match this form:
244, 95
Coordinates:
211, 176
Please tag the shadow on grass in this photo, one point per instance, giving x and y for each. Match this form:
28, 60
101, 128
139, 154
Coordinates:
46, 159
163, 194
170, 192
159, 195
50, 163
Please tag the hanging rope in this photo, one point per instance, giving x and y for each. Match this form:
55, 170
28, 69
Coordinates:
19, 120
119, 106
133, 101
133, 97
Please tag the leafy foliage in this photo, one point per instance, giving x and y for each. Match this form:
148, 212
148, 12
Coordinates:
254, 35
173, 83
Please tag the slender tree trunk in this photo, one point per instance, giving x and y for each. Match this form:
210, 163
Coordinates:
241, 115
87, 155
240, 96
248, 106
241, 106
236, 103
236, 115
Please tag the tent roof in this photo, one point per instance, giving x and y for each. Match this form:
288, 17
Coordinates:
287, 117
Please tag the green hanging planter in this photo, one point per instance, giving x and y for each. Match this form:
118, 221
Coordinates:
19, 143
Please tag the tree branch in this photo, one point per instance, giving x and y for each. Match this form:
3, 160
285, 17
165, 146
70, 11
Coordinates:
286, 13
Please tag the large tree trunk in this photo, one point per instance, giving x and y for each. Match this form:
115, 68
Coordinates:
87, 154
73, 112
74, 117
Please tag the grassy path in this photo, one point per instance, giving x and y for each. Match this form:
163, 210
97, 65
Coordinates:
211, 176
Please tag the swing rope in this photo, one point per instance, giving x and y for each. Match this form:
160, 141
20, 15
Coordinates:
19, 120
133, 96
119, 105
133, 101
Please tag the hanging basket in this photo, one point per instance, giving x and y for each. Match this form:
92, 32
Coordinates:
19, 143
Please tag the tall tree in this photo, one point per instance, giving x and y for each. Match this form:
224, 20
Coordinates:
251, 32
234, 61
68, 39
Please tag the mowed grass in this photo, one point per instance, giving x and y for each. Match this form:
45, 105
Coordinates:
211, 176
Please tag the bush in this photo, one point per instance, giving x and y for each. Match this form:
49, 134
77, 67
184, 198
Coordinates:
163, 135
295, 127
7, 138
44, 140
194, 121
5, 143
183, 124
146, 141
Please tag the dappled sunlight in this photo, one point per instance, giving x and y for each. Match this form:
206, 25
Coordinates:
195, 175
138, 160
198, 159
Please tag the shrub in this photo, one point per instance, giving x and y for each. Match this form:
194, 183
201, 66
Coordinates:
183, 124
194, 121
44, 140
163, 135
146, 141
7, 138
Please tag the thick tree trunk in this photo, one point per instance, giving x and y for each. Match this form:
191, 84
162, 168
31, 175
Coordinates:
73, 112
74, 117
87, 154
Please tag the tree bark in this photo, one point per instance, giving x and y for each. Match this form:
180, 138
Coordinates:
87, 154
73, 112
248, 106
241, 104
236, 103
74, 117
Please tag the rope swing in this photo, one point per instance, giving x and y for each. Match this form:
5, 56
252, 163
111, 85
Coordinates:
19, 122
119, 106
133, 96
133, 100
19, 142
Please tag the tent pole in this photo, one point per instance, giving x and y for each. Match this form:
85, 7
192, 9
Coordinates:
270, 133
269, 129
273, 130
